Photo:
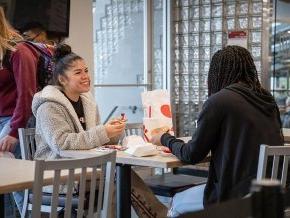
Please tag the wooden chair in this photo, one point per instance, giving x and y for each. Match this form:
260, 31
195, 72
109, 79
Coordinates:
28, 148
278, 153
134, 129
103, 164
27, 142
275, 155
167, 184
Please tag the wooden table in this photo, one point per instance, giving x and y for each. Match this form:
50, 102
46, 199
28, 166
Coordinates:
124, 162
17, 175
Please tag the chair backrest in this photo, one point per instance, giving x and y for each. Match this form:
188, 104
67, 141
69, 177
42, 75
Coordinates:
134, 129
278, 153
27, 142
99, 170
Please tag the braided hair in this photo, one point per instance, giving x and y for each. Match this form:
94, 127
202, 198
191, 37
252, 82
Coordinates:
235, 64
230, 65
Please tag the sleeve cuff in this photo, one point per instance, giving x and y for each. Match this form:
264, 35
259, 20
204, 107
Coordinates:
165, 139
103, 137
14, 133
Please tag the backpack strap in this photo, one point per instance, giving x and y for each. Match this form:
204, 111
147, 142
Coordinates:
40, 47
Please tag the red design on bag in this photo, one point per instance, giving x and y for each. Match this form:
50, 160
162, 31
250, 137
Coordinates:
145, 136
165, 110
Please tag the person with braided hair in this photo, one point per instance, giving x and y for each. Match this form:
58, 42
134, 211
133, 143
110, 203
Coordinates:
238, 116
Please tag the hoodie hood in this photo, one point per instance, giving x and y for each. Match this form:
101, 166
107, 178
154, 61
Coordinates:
55, 95
264, 101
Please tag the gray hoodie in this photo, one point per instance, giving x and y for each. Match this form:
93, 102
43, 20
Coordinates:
58, 127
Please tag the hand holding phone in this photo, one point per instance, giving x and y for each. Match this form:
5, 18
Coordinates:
119, 120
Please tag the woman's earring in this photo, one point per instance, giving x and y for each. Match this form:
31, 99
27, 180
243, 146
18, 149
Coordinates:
62, 82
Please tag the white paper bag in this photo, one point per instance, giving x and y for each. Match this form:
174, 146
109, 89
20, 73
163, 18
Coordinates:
138, 147
157, 112
156, 104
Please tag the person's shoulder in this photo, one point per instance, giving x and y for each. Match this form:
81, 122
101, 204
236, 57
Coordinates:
222, 99
23, 47
222, 95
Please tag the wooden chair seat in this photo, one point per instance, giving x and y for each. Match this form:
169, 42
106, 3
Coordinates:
200, 170
169, 184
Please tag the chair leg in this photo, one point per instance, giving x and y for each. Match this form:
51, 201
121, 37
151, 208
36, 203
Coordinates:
25, 203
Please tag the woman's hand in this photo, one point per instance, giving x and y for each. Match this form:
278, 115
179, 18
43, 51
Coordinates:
115, 127
118, 120
156, 139
8, 143
156, 135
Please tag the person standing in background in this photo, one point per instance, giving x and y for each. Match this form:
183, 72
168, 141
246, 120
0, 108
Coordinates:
35, 32
286, 117
18, 83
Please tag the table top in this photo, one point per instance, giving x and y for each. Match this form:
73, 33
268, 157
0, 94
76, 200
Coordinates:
124, 158
17, 175
150, 161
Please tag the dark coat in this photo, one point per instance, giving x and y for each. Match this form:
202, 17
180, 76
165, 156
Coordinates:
232, 125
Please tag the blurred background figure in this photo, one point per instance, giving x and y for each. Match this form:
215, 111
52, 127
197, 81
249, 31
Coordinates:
18, 83
286, 117
35, 32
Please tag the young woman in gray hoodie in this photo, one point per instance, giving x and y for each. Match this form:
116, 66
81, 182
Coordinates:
67, 117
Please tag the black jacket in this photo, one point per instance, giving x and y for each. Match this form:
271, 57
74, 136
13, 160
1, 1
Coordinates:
232, 125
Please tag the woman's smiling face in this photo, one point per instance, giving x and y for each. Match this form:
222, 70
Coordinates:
76, 79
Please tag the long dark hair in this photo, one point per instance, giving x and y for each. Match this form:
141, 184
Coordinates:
230, 65
63, 60
235, 64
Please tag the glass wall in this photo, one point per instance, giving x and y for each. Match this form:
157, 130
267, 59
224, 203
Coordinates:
129, 54
280, 54
201, 27
132, 53
158, 77
119, 57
